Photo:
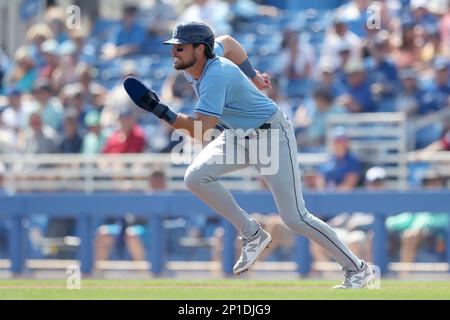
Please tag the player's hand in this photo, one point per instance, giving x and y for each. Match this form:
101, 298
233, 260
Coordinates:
147, 99
261, 80
141, 95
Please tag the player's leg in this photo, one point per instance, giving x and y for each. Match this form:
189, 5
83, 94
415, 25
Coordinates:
201, 178
286, 188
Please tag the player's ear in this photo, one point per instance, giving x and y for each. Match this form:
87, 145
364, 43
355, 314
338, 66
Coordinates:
201, 48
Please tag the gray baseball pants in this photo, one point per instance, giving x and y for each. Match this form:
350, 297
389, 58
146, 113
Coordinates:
201, 178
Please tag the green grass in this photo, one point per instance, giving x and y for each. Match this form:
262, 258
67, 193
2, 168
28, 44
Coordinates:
228, 289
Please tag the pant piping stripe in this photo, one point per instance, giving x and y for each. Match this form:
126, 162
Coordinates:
296, 201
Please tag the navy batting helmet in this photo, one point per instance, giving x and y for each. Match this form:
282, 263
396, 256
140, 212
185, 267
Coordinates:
192, 33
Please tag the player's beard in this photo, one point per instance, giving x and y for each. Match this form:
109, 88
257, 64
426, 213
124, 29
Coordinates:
180, 65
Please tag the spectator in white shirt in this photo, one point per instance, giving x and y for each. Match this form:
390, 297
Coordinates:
334, 40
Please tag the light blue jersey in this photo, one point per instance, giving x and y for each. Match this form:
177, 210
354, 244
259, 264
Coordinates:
226, 93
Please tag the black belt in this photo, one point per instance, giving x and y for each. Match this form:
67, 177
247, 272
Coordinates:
264, 126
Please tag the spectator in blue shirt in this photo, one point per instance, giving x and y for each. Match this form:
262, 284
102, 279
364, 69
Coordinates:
343, 171
411, 98
358, 97
414, 101
326, 78
75, 100
55, 18
345, 56
420, 14
127, 38
381, 69
84, 51
71, 139
382, 74
441, 84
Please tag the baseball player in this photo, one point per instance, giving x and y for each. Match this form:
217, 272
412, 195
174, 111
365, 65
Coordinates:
228, 97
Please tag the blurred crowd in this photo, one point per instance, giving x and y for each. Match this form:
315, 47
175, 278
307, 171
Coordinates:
61, 91
62, 87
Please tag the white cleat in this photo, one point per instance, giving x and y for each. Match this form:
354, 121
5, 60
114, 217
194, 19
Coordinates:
356, 279
251, 248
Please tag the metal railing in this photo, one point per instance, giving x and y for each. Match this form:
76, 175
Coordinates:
121, 172
130, 172
378, 139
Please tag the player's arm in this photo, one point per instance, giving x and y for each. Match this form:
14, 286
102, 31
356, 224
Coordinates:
199, 123
148, 100
233, 51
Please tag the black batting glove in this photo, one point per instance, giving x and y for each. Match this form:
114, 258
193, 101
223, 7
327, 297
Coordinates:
147, 99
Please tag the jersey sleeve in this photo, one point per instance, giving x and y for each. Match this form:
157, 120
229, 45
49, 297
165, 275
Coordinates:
212, 96
218, 49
